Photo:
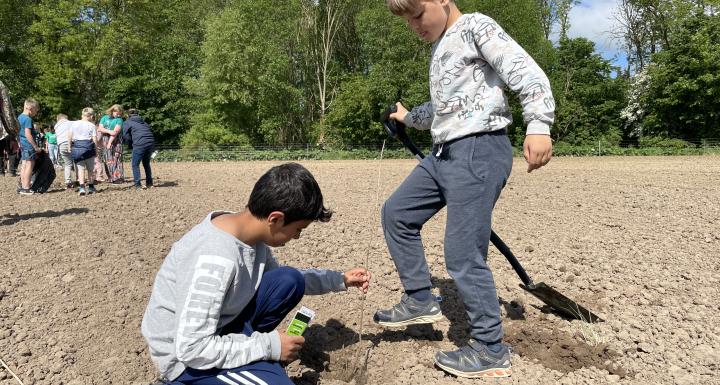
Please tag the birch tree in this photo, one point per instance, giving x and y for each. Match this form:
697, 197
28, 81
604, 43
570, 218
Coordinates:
321, 24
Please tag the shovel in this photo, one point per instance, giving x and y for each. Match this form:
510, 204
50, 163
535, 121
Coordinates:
551, 297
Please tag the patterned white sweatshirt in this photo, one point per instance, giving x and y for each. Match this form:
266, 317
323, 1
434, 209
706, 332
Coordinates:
470, 66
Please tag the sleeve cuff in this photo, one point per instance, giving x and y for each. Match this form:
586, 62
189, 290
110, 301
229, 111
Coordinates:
338, 281
537, 127
275, 347
406, 120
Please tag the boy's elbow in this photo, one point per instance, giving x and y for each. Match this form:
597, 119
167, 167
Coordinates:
186, 353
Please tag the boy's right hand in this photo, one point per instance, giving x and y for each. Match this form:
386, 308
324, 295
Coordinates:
290, 347
399, 115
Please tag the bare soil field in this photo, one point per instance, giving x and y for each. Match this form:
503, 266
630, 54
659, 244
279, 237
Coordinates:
635, 239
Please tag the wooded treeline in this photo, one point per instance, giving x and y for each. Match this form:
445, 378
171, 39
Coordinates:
233, 72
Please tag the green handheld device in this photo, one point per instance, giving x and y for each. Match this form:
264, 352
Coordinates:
300, 322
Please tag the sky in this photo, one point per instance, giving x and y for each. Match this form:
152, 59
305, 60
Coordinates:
593, 20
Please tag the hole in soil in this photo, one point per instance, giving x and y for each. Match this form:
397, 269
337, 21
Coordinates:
350, 364
332, 351
555, 349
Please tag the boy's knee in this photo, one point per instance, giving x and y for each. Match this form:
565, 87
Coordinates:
289, 280
389, 210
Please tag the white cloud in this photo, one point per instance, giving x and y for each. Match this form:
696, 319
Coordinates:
593, 20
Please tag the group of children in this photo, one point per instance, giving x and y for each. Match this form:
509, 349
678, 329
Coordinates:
95, 150
90, 149
220, 294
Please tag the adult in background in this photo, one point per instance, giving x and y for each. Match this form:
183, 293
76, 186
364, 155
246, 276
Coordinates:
29, 147
110, 129
62, 134
83, 143
9, 128
139, 136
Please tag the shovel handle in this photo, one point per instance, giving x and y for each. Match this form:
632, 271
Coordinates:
505, 250
396, 129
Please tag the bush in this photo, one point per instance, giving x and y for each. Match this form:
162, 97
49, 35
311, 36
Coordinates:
660, 142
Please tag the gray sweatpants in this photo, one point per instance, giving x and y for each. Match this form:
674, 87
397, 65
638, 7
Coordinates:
65, 155
467, 177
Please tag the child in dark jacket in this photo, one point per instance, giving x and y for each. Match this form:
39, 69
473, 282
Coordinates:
138, 135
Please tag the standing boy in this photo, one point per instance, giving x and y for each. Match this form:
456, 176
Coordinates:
473, 60
63, 127
28, 146
220, 293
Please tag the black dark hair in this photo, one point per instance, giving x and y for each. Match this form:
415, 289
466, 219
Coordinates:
291, 189
132, 111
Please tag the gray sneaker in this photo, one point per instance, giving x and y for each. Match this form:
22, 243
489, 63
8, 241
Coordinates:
409, 312
475, 360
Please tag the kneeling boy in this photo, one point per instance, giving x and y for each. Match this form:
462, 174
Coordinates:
220, 293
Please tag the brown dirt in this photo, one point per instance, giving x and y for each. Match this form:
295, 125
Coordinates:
634, 239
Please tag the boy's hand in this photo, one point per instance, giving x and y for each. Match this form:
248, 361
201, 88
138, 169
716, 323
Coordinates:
290, 347
537, 150
399, 115
357, 277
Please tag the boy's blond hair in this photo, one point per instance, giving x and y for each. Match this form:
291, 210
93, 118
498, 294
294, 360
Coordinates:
88, 112
30, 103
403, 7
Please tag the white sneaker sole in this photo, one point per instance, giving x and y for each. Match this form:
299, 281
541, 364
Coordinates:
426, 319
488, 373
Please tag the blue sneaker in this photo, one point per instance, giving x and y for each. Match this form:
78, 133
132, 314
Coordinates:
81, 191
475, 360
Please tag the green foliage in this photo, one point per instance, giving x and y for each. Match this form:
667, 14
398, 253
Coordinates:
662, 142
588, 100
395, 67
213, 73
16, 69
684, 96
250, 154
248, 75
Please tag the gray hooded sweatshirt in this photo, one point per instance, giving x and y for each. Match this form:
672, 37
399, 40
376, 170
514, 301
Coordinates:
206, 280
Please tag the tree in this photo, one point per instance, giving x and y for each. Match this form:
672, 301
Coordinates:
588, 99
634, 112
393, 66
66, 36
321, 24
644, 27
249, 77
554, 13
684, 96
16, 68
150, 55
